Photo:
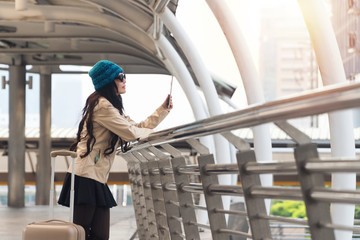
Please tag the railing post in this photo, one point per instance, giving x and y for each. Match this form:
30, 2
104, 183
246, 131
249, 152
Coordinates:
158, 200
170, 198
317, 212
131, 163
150, 213
136, 200
216, 219
260, 228
185, 201
157, 194
152, 227
141, 201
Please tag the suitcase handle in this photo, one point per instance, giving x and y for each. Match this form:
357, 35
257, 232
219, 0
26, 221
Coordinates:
56, 220
53, 155
63, 153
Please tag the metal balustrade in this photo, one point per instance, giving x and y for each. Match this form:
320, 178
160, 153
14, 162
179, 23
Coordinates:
164, 191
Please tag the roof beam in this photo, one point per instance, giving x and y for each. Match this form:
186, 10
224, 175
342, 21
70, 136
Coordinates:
85, 46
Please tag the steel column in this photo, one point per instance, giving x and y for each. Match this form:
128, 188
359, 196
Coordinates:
341, 122
16, 167
43, 164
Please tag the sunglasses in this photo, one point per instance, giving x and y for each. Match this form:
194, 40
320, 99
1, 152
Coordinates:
121, 77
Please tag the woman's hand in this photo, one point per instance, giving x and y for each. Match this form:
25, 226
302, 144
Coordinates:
168, 104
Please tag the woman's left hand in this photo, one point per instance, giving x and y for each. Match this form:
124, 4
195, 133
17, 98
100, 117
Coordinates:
168, 104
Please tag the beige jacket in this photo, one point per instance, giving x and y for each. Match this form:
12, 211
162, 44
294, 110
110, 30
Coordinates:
107, 119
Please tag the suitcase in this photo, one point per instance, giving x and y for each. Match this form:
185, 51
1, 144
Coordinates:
55, 229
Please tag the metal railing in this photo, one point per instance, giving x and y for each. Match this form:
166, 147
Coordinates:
166, 189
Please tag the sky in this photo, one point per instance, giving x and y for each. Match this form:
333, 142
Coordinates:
201, 25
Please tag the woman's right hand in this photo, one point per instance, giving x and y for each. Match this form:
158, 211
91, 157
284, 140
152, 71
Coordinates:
168, 104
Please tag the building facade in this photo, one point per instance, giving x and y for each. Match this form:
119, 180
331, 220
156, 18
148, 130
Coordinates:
345, 19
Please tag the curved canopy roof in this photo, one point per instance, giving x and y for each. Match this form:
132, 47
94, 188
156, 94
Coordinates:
51, 32
81, 32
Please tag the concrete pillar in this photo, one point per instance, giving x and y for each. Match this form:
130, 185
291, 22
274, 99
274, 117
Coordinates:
16, 166
43, 164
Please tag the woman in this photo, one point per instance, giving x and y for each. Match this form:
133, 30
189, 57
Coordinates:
103, 128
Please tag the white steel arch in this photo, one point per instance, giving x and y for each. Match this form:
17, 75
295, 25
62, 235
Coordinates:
206, 84
253, 87
341, 122
181, 73
174, 63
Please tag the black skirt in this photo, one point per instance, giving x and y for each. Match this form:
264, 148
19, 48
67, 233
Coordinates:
87, 192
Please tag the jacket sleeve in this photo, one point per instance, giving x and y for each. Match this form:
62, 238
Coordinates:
153, 120
110, 118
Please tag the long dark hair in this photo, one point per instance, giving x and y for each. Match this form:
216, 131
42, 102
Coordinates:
108, 92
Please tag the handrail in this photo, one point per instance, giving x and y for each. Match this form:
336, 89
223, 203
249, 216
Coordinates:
166, 189
327, 99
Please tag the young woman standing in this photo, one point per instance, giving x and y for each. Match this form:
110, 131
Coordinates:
104, 127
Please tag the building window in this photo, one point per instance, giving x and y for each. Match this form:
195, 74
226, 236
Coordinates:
352, 42
351, 3
353, 7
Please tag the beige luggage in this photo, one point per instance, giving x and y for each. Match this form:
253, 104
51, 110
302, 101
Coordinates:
54, 229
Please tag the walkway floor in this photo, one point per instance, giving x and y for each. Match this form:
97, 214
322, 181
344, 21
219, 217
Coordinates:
13, 221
